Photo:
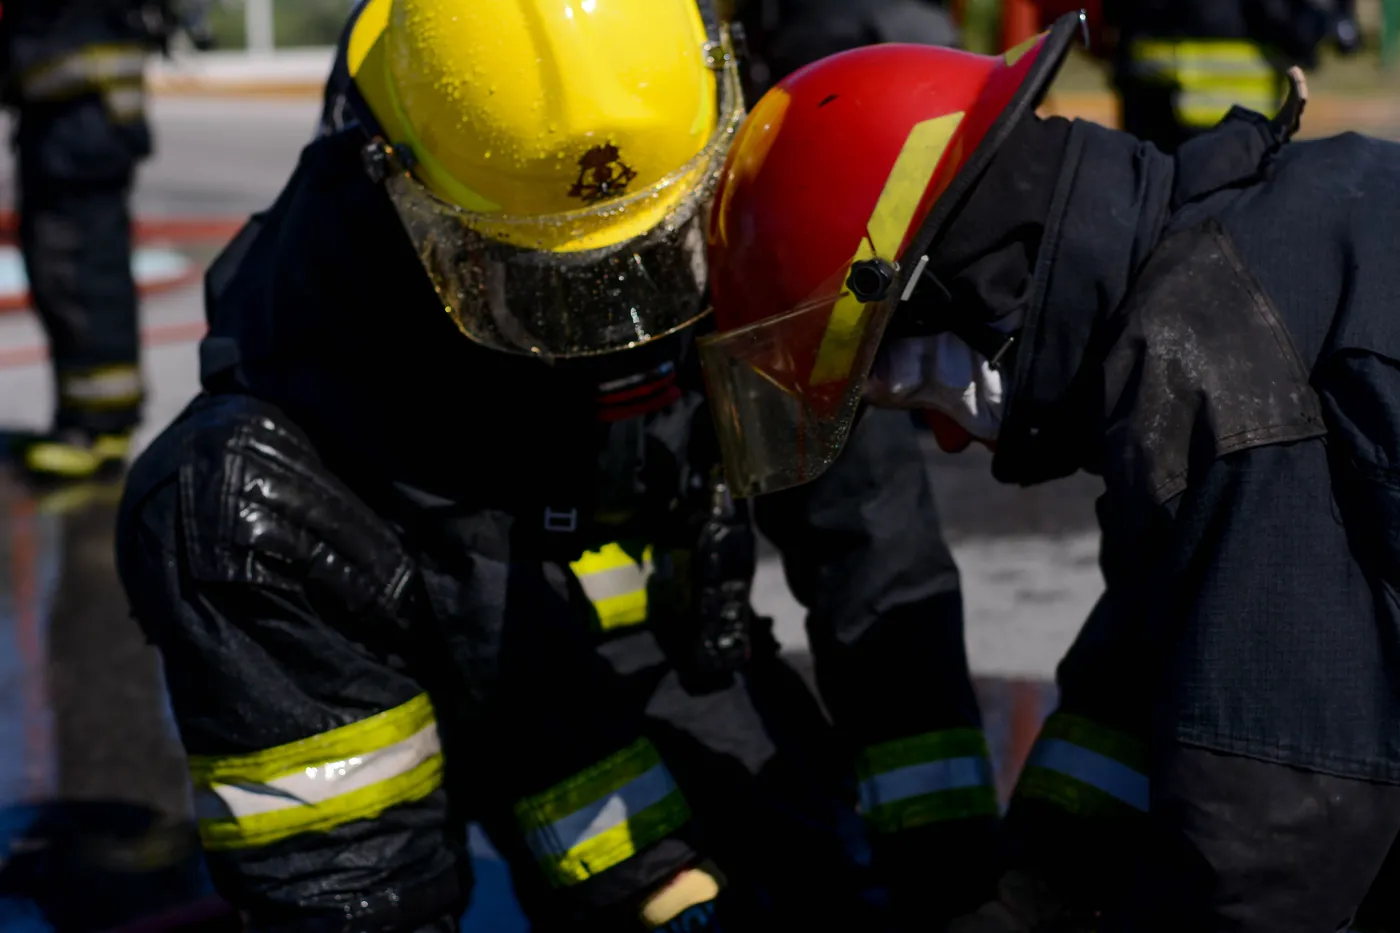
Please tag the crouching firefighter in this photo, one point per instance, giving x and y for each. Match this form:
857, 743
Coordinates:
402, 577
1213, 334
74, 74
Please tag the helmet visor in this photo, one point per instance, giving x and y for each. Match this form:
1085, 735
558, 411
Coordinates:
786, 390
619, 274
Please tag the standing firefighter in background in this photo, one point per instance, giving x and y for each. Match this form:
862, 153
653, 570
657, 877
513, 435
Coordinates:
1180, 65
74, 74
403, 577
784, 35
1211, 332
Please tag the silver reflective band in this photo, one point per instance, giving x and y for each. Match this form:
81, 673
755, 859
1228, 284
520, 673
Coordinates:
125, 102
85, 70
1098, 771
643, 791
318, 784
116, 383
599, 585
931, 777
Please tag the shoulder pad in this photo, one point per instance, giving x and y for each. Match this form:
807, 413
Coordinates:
257, 505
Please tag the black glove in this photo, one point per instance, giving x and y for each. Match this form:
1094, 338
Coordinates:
706, 590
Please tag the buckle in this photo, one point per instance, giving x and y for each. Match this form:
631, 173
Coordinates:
561, 522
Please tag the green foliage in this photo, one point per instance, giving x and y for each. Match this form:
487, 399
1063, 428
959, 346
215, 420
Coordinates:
296, 23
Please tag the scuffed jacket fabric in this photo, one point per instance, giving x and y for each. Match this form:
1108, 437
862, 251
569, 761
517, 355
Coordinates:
1213, 334
1179, 65
350, 548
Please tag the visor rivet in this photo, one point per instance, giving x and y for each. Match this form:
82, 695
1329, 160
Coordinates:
870, 280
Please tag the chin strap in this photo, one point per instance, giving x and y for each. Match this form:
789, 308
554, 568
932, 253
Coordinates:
927, 308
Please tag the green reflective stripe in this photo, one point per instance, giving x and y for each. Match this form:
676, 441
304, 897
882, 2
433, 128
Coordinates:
602, 816
1086, 769
1071, 795
355, 772
1077, 730
918, 749
616, 585
924, 779
961, 804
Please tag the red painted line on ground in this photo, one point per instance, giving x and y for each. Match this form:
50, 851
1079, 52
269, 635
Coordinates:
177, 231
151, 229
160, 336
24, 301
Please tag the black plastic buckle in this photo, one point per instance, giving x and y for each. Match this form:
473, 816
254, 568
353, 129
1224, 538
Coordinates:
871, 279
382, 159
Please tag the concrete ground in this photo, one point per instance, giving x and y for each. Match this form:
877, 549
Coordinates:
82, 718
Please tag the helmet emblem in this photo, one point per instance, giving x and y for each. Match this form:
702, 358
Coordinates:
601, 175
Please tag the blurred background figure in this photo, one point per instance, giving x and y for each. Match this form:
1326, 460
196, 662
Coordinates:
74, 74
1180, 65
784, 35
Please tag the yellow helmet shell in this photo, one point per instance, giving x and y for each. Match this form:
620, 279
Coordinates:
520, 109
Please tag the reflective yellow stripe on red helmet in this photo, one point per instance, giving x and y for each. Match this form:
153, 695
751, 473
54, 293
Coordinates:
885, 232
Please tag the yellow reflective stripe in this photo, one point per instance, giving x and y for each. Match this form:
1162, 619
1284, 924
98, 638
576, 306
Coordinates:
602, 816
95, 67
1016, 53
616, 585
358, 738
101, 388
366, 803
888, 225
351, 773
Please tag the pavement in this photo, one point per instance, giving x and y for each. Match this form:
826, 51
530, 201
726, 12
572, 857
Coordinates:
88, 760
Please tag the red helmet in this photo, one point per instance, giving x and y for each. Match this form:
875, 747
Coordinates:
841, 171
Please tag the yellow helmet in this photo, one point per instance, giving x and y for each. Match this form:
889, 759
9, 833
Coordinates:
528, 108
552, 160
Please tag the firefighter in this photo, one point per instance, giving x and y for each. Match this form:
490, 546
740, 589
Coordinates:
784, 35
445, 537
74, 76
1212, 333
1179, 67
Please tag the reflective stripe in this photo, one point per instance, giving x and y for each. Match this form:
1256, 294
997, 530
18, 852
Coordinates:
93, 68
930, 778
1086, 769
125, 103
1111, 777
616, 584
105, 387
1211, 76
352, 773
888, 228
602, 816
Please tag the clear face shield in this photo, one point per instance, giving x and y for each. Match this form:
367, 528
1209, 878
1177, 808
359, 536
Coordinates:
523, 284
786, 391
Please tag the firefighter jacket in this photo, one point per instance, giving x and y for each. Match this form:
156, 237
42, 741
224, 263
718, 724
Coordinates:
75, 70
1180, 66
1213, 334
379, 561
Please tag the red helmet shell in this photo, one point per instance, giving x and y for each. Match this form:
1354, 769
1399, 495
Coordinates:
812, 161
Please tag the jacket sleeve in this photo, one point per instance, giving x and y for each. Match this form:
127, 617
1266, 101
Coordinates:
863, 552
328, 713
316, 755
